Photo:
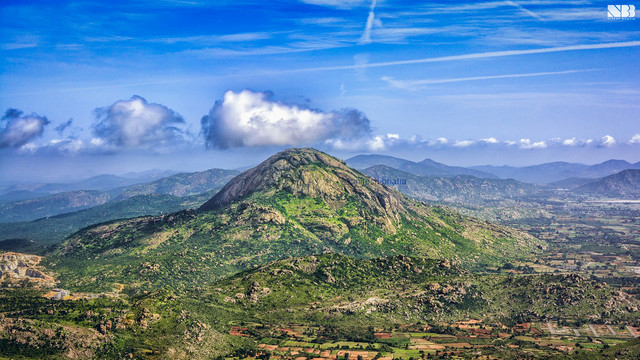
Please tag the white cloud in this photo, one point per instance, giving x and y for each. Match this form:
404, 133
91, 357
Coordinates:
393, 136
528, 144
608, 141
464, 143
576, 142
135, 122
248, 118
376, 143
490, 140
635, 139
19, 129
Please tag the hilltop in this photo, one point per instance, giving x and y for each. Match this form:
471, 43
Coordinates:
298, 202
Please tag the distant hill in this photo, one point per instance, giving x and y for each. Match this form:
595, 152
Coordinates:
361, 162
425, 167
182, 184
569, 183
45, 231
101, 182
462, 189
51, 205
556, 171
17, 195
30, 205
429, 167
624, 183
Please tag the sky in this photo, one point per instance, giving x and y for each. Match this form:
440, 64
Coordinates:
92, 87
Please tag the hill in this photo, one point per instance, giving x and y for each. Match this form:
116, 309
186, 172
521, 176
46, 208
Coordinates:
425, 167
462, 189
556, 171
51, 205
624, 183
182, 184
297, 202
35, 235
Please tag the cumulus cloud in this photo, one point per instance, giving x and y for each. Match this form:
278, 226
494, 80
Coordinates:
608, 141
528, 144
635, 139
20, 130
490, 140
464, 143
249, 118
576, 142
135, 122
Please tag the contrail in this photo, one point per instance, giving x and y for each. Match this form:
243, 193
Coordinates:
492, 54
366, 36
525, 10
412, 83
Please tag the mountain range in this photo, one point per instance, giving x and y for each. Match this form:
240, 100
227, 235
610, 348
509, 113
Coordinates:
298, 202
536, 174
556, 171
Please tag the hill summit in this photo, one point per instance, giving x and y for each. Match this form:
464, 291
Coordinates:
309, 173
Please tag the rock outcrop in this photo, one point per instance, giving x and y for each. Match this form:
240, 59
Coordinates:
15, 267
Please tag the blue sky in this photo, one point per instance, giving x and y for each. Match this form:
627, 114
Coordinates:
191, 85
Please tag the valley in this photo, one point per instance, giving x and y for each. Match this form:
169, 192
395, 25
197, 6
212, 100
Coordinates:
303, 257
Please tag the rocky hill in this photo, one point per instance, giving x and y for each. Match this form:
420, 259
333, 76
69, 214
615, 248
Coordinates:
298, 202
